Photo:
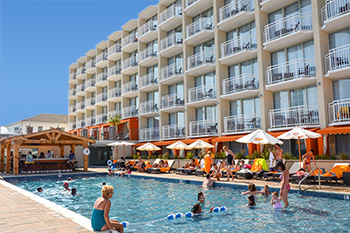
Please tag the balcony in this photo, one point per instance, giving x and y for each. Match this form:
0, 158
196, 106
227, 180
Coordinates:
203, 128
72, 109
90, 84
114, 113
149, 134
101, 98
172, 103
148, 31
90, 121
130, 111
80, 123
114, 73
335, 15
72, 77
241, 123
337, 62
239, 87
292, 74
236, 14
148, 82
80, 72
170, 17
173, 131
293, 29
81, 89
202, 96
148, 57
240, 49
90, 103
171, 45
129, 43
171, 74
130, 65
80, 106
71, 126
130, 89
114, 51
72, 93
193, 7
199, 31
102, 118
114, 94
149, 108
201, 63
269, 6
101, 59
339, 112
101, 79
307, 116
90, 67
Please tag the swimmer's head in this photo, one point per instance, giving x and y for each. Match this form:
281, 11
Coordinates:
252, 187
200, 194
69, 179
39, 189
275, 194
104, 183
266, 187
65, 185
74, 191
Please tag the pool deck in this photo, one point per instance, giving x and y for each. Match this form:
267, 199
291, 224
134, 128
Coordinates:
25, 212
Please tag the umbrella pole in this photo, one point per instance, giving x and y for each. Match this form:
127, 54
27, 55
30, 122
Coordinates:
299, 152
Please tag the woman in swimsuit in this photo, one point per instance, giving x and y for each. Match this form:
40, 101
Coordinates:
285, 187
100, 213
216, 173
230, 156
307, 160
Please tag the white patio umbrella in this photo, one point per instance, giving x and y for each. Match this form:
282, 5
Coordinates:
299, 133
179, 145
148, 147
123, 143
199, 144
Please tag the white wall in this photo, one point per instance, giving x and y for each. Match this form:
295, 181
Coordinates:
46, 125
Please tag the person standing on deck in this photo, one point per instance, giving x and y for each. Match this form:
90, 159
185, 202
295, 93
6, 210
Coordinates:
48, 154
278, 153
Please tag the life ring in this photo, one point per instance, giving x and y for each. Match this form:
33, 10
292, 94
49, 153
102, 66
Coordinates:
109, 162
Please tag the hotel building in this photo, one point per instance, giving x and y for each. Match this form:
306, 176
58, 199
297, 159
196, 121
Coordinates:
217, 70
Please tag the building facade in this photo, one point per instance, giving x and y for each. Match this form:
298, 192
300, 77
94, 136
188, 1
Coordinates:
217, 70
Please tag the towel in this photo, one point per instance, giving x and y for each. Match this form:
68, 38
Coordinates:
271, 158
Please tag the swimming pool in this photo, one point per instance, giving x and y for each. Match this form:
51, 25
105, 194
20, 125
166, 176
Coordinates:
141, 200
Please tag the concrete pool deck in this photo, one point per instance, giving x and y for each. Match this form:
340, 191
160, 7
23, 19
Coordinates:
24, 212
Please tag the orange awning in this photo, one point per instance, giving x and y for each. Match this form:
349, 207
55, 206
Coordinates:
189, 141
165, 143
228, 138
335, 130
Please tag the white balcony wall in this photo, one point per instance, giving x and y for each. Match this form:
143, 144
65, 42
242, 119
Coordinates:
241, 123
149, 107
200, 59
337, 58
172, 100
203, 24
339, 111
200, 93
240, 83
203, 128
242, 43
173, 131
149, 134
170, 71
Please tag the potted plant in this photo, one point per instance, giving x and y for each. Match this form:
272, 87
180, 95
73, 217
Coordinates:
114, 121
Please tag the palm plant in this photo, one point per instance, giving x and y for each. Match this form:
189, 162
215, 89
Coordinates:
114, 120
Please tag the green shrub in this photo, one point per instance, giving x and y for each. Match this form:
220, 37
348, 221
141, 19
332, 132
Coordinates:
332, 157
239, 155
144, 157
221, 155
189, 155
154, 156
344, 156
288, 156
135, 156
166, 155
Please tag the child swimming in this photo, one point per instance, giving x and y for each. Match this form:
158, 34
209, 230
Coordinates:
66, 186
201, 198
251, 194
197, 209
276, 201
266, 191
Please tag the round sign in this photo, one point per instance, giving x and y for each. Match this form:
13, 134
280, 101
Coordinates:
86, 151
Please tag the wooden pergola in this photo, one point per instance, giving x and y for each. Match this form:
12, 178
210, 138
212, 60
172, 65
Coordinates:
51, 137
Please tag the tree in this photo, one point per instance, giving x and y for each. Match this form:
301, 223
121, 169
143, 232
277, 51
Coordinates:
114, 121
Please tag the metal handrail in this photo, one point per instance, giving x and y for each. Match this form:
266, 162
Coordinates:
319, 180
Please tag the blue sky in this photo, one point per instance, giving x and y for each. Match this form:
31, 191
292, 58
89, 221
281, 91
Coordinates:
40, 39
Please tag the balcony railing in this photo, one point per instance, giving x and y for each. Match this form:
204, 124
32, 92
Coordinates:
90, 64
149, 106
241, 123
72, 76
337, 58
101, 97
200, 93
204, 127
115, 92
203, 24
234, 8
170, 12
129, 87
101, 118
101, 77
242, 43
80, 123
173, 131
170, 71
101, 57
130, 111
240, 83
167, 42
80, 87
90, 82
334, 8
294, 69
90, 101
129, 39
81, 105
200, 59
71, 126
148, 80
172, 100
339, 111
72, 109
90, 121
299, 115
114, 70
115, 112
287, 26
147, 27
148, 52
80, 71
129, 62
72, 92
149, 134
116, 48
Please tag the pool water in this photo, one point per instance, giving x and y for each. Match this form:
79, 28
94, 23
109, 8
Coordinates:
140, 200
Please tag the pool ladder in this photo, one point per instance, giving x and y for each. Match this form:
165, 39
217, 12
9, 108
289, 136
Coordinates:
309, 174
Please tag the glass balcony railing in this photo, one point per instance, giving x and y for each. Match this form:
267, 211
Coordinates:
147, 27
169, 41
240, 83
90, 64
149, 106
80, 71
337, 58
80, 105
339, 111
147, 53
203, 128
114, 92
90, 102
90, 82
72, 109
101, 97
241, 123
173, 131
149, 134
203, 92
200, 59
80, 87
203, 24
72, 92
101, 57
101, 77
334, 8
169, 13
172, 100
116, 48
102, 118
72, 76
148, 80
130, 111
129, 87
234, 8
130, 62
240, 44
170, 71
115, 112
131, 38
114, 70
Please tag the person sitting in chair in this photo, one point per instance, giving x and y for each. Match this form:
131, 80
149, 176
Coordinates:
71, 157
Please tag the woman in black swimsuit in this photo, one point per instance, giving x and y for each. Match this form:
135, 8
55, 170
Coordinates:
229, 162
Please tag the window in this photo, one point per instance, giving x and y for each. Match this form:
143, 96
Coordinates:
206, 46
248, 67
339, 39
205, 14
40, 128
207, 79
153, 122
302, 6
206, 113
177, 118
154, 45
250, 106
245, 32
178, 61
341, 89
297, 97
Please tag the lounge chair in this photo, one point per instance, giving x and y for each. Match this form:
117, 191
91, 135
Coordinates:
155, 162
258, 164
292, 170
336, 173
163, 169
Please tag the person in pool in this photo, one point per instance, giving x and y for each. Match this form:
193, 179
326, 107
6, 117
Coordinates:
66, 186
207, 182
197, 209
201, 198
126, 170
100, 214
276, 201
285, 187
266, 191
39, 189
251, 194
